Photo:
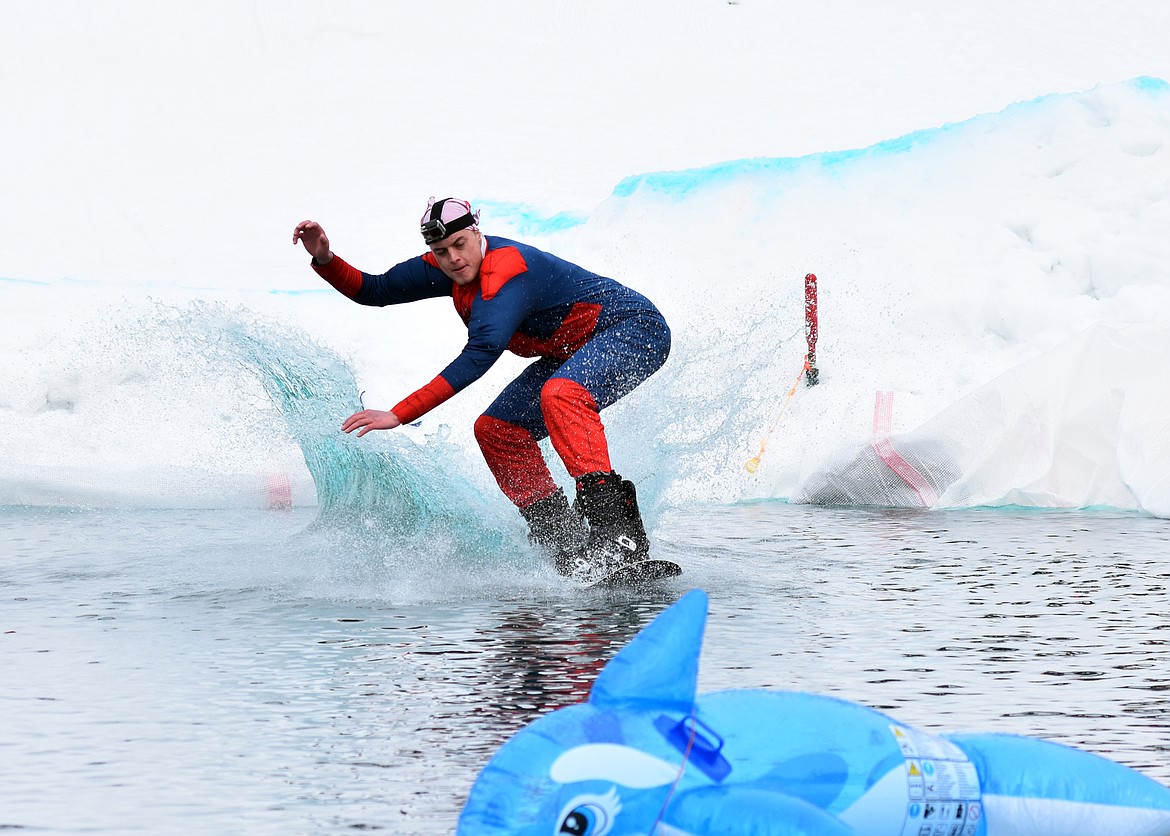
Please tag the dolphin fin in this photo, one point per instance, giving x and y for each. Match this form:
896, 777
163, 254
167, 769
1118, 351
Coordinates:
660, 665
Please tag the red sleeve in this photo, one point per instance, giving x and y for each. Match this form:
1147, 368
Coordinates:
341, 275
423, 401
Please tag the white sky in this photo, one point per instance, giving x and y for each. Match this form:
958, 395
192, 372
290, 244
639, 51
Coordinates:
156, 142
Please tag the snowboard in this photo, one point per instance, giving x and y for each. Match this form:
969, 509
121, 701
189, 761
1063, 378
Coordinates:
636, 574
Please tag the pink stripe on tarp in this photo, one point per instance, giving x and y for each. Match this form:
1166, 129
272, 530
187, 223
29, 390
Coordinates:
883, 413
883, 418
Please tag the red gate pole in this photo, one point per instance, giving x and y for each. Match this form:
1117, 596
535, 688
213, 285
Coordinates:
810, 328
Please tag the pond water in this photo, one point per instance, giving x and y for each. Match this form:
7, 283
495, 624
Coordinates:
249, 671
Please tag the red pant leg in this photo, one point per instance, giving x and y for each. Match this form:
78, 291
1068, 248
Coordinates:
514, 458
574, 427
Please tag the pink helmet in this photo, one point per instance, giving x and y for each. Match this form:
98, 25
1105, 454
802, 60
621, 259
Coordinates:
446, 217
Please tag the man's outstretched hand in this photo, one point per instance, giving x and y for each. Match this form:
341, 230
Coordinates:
315, 240
370, 419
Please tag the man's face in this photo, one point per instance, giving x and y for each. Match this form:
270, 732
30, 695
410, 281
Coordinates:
459, 255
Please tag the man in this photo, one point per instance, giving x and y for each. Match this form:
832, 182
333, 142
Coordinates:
595, 339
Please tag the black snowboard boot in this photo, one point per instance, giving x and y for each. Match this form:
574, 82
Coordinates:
616, 533
558, 529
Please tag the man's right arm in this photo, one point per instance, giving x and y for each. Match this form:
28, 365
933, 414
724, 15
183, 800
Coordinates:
409, 281
406, 282
344, 277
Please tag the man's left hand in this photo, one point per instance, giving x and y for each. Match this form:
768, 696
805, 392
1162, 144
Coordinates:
370, 419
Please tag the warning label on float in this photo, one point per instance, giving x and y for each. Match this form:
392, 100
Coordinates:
942, 786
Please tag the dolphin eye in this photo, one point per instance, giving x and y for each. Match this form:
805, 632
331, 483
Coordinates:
577, 822
589, 815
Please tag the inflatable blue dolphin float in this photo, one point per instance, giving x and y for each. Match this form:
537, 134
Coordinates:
645, 755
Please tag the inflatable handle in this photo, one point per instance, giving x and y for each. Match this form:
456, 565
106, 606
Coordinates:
698, 742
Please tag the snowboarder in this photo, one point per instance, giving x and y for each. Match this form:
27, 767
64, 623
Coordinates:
595, 340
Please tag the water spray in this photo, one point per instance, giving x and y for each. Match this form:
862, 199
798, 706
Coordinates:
753, 464
808, 369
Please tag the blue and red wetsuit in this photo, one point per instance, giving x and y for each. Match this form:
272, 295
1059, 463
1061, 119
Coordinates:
596, 340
